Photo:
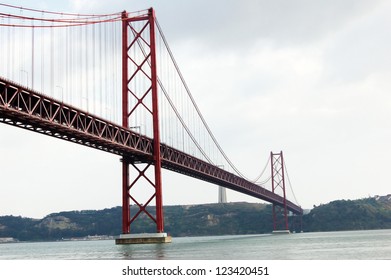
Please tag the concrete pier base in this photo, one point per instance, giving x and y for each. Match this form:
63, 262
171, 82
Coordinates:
143, 238
284, 231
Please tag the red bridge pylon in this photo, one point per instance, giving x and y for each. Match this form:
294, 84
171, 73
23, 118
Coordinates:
139, 93
280, 212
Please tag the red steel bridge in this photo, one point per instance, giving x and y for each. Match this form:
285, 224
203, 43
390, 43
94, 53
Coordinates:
110, 82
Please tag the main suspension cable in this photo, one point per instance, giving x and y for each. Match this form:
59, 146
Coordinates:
194, 103
54, 13
290, 185
62, 19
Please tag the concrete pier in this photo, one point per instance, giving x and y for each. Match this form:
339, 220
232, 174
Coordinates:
284, 231
143, 238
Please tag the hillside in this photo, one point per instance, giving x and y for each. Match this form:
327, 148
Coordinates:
189, 220
198, 220
367, 213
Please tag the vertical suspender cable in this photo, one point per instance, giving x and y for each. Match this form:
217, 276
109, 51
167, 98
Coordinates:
85, 70
21, 41
66, 82
94, 68
9, 50
51, 61
32, 55
105, 78
100, 71
42, 59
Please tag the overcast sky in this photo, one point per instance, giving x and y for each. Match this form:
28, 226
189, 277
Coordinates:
310, 78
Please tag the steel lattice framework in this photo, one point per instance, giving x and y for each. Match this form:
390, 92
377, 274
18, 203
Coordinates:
27, 109
132, 70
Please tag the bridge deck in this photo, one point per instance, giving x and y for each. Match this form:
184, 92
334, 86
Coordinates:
25, 108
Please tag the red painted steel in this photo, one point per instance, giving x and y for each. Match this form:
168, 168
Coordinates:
156, 132
125, 165
140, 37
125, 197
278, 182
28, 109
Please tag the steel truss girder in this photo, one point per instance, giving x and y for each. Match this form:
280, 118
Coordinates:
30, 110
93, 132
180, 162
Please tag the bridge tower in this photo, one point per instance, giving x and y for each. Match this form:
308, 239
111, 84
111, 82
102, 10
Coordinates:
136, 97
280, 212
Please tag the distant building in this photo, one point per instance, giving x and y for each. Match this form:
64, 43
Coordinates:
7, 240
383, 198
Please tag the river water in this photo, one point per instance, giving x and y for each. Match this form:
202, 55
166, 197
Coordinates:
344, 245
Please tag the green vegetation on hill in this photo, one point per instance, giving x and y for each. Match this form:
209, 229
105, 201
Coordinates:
188, 220
367, 213
197, 220
61, 225
218, 219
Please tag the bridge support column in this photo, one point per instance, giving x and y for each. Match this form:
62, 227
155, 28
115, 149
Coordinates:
140, 98
125, 197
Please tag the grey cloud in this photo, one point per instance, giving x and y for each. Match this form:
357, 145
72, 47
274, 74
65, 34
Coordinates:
232, 23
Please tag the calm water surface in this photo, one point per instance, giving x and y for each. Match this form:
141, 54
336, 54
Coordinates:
347, 245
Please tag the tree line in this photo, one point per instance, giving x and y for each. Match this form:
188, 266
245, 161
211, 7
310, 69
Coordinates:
201, 220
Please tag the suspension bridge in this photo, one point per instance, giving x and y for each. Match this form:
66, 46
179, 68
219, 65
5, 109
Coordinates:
111, 82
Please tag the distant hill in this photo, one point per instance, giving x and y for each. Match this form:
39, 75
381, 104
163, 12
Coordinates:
188, 220
367, 213
198, 220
